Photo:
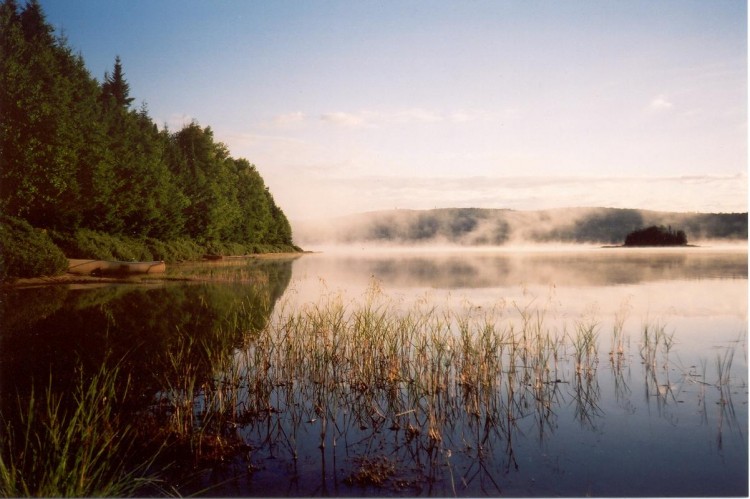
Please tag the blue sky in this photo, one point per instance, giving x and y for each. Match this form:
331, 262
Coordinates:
356, 106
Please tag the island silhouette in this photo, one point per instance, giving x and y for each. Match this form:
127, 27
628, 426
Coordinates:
656, 236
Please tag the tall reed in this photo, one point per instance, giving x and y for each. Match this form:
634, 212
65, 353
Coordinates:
77, 446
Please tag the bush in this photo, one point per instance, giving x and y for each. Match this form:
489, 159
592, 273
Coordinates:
85, 243
27, 252
175, 251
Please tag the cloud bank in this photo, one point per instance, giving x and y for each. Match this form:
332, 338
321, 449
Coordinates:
343, 195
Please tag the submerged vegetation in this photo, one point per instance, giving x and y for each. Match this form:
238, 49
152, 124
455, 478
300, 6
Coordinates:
79, 161
419, 399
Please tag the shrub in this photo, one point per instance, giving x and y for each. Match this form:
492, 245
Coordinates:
175, 251
86, 243
27, 252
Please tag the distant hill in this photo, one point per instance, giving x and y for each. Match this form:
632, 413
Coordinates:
477, 226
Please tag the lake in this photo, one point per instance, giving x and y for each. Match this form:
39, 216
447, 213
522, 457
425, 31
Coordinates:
436, 372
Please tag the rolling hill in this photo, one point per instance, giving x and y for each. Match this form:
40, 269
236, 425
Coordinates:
477, 226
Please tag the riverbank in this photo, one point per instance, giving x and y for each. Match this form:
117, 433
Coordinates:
171, 275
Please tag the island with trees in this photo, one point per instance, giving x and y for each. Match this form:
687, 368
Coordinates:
656, 236
86, 175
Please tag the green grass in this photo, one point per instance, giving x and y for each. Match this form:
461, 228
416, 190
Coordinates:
78, 447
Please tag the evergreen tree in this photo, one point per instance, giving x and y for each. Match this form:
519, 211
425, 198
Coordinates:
45, 96
255, 221
74, 155
115, 88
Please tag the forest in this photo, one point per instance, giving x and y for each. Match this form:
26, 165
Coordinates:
88, 170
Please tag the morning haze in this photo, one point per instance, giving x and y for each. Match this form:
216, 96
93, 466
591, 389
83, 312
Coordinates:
484, 227
387, 248
347, 108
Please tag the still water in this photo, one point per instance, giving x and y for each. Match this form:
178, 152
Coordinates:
605, 372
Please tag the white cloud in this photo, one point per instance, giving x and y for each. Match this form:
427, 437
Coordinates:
472, 115
697, 193
344, 119
404, 117
409, 116
660, 103
289, 118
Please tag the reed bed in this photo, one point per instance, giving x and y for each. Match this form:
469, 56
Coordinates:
79, 447
436, 379
407, 394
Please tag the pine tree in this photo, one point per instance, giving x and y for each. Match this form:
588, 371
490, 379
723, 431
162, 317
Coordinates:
115, 87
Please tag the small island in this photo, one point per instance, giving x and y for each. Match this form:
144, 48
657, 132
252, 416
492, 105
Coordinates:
656, 236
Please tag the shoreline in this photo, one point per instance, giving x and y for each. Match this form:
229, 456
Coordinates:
69, 278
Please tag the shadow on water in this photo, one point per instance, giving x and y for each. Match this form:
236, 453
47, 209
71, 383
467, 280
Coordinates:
256, 397
452, 269
160, 338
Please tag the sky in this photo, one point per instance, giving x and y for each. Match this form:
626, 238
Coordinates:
347, 107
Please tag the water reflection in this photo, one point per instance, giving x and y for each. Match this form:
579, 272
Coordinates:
477, 269
51, 332
371, 394
442, 413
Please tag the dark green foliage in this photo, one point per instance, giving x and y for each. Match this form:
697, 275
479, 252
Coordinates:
76, 156
176, 250
86, 243
27, 252
115, 90
656, 236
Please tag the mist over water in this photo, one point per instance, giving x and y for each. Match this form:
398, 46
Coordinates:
695, 291
468, 227
642, 408
548, 370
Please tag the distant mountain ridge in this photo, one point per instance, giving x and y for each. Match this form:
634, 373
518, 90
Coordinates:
482, 226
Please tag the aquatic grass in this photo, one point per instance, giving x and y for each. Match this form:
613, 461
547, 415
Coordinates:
585, 346
355, 376
725, 403
77, 446
617, 343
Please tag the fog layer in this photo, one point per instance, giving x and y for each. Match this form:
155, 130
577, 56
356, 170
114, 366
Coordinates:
492, 227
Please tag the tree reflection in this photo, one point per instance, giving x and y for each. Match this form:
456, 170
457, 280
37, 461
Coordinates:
347, 397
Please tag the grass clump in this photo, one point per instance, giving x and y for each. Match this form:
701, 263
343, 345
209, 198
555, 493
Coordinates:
372, 472
74, 446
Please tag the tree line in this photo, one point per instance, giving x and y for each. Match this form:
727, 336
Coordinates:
77, 155
481, 226
656, 236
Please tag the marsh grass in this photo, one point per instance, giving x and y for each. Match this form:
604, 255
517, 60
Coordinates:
435, 378
73, 447
405, 394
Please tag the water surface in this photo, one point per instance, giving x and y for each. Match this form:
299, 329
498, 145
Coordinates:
656, 405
